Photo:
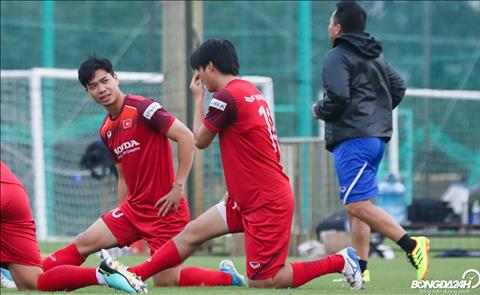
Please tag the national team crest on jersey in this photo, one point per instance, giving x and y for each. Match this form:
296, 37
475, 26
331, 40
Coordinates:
127, 123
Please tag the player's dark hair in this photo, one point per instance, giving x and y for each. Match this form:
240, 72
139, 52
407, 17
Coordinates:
90, 65
220, 52
351, 17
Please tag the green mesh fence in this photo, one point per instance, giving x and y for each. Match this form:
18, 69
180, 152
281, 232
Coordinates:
266, 35
432, 44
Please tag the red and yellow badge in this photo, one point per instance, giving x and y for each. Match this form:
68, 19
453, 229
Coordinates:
127, 123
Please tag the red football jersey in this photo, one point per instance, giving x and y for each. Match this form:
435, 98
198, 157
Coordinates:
17, 227
7, 176
248, 145
136, 138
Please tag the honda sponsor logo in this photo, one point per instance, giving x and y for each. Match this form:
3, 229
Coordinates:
127, 147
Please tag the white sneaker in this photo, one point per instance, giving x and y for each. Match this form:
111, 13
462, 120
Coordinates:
351, 271
6, 282
228, 266
118, 277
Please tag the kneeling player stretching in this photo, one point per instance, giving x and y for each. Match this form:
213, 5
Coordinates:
260, 200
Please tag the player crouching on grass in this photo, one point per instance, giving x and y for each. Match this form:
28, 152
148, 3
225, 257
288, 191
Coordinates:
260, 201
137, 132
20, 254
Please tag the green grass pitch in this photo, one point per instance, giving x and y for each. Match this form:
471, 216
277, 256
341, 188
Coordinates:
388, 277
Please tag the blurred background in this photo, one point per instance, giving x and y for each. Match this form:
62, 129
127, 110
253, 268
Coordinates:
434, 45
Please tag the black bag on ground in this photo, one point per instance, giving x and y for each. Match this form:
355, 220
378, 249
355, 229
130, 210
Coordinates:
429, 211
98, 160
335, 221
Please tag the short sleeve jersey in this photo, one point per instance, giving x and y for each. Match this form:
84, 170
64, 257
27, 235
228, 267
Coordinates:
248, 145
137, 139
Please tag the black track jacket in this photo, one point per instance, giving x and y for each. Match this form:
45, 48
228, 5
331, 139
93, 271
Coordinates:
360, 90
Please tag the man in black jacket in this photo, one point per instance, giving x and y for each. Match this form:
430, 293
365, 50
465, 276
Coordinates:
360, 91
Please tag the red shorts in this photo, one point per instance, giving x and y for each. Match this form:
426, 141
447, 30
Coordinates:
130, 223
267, 234
18, 241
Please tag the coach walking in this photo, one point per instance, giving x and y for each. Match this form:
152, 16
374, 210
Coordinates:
360, 91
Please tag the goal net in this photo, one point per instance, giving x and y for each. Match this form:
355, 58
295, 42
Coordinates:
436, 141
47, 122
437, 146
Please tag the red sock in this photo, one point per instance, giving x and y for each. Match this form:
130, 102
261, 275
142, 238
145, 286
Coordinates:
196, 276
165, 257
67, 278
306, 271
65, 256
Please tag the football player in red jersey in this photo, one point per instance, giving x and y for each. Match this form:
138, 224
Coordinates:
137, 132
260, 200
20, 254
